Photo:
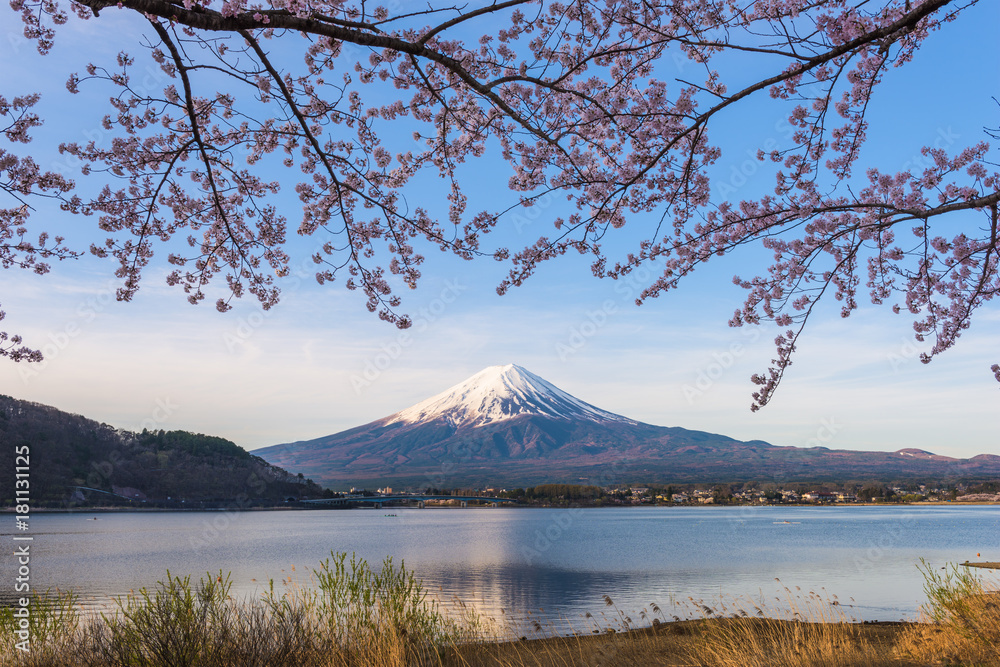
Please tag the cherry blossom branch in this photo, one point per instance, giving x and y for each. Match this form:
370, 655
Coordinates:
572, 96
23, 181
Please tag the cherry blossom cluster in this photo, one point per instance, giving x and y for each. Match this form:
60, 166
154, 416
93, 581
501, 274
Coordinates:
21, 180
580, 100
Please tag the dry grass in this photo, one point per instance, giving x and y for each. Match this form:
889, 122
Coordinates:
963, 621
360, 617
700, 643
809, 630
760, 642
650, 646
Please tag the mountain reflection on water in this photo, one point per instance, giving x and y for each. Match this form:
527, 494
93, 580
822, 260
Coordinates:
554, 565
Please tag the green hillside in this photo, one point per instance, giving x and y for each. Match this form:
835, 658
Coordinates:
75, 461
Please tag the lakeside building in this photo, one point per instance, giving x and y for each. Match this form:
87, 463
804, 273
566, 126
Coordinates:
819, 497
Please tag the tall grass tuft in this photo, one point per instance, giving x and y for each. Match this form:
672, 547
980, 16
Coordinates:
354, 617
964, 615
53, 625
354, 601
185, 625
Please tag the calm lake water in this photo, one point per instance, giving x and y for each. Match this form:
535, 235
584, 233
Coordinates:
554, 565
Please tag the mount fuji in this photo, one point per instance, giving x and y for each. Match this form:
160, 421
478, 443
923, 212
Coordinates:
501, 393
506, 426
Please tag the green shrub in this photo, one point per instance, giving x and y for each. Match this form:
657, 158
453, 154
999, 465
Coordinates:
354, 601
53, 623
354, 615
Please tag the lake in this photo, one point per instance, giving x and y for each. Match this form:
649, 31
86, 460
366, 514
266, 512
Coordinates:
523, 564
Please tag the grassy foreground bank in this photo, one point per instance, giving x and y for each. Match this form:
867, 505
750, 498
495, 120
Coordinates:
358, 616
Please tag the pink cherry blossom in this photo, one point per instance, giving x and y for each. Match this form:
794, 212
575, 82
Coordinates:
576, 98
21, 180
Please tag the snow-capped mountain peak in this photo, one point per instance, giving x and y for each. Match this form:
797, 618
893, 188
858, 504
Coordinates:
499, 393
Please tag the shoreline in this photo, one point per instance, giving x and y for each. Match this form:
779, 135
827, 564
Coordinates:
286, 508
703, 641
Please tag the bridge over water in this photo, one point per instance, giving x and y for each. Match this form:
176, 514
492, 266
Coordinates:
418, 498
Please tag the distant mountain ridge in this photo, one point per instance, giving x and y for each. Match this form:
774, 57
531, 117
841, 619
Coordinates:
507, 426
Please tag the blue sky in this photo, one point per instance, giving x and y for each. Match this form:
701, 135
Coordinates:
319, 363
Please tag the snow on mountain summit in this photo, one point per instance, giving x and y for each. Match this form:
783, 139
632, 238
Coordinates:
499, 393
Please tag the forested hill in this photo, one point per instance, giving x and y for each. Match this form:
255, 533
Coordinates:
74, 459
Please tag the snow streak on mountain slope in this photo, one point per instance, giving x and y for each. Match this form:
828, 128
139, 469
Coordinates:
499, 393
